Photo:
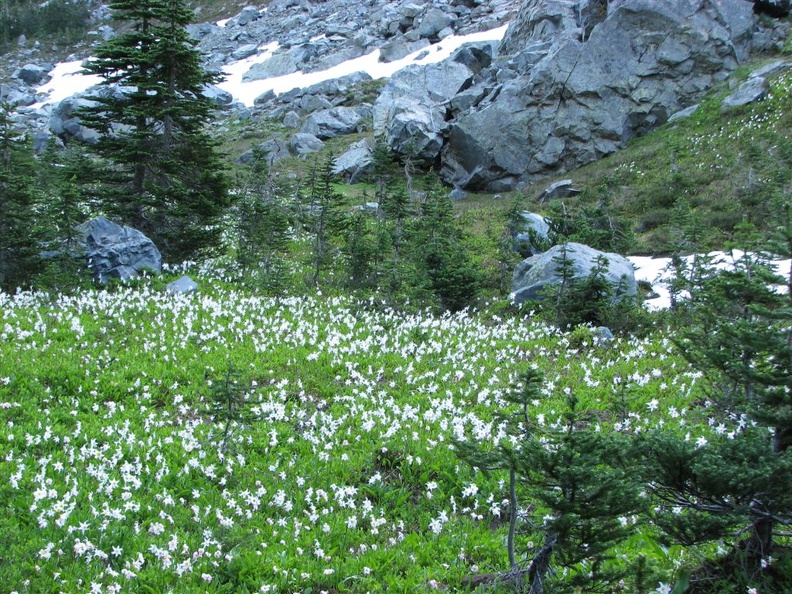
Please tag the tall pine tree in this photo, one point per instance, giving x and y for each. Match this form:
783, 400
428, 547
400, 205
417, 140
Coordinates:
162, 170
19, 235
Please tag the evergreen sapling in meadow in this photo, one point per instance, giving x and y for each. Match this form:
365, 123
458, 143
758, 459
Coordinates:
737, 330
577, 477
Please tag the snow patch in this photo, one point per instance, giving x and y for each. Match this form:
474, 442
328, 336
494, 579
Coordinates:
67, 78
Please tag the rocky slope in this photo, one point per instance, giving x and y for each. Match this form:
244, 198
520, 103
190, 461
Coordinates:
572, 80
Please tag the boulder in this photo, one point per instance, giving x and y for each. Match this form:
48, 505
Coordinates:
247, 16
184, 286
32, 74
434, 21
356, 162
118, 252
533, 274
218, 96
683, 114
541, 21
752, 90
557, 190
280, 64
398, 48
301, 144
329, 123
311, 103
531, 234
244, 51
411, 110
272, 150
457, 194
338, 86
571, 102
65, 124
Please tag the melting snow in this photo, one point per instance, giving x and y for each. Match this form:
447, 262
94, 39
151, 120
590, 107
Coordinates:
658, 272
67, 80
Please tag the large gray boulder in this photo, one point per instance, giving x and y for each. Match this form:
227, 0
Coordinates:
280, 64
533, 275
356, 162
411, 110
65, 123
434, 21
31, 74
329, 123
571, 102
301, 144
752, 90
118, 252
399, 47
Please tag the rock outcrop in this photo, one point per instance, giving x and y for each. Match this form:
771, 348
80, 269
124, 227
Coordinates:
413, 108
574, 97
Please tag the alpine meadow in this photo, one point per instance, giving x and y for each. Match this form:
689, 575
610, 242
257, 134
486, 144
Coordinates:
496, 299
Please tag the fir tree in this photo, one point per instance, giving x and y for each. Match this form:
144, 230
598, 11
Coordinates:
163, 173
263, 222
19, 230
325, 218
738, 332
577, 476
438, 246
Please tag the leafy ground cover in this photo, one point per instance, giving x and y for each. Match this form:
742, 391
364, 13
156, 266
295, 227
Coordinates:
227, 442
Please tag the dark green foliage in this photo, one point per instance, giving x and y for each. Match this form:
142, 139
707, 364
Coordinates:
735, 328
228, 403
590, 300
326, 220
62, 20
65, 208
580, 480
20, 232
595, 222
437, 243
262, 226
362, 250
162, 173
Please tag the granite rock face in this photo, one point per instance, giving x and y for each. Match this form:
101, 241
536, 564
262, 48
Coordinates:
574, 97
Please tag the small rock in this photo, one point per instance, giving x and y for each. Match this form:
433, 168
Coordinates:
753, 90
184, 285
559, 189
302, 143
684, 113
457, 194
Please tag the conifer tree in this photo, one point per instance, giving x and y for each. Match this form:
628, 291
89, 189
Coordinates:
437, 244
262, 225
738, 332
162, 170
19, 229
325, 218
576, 476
